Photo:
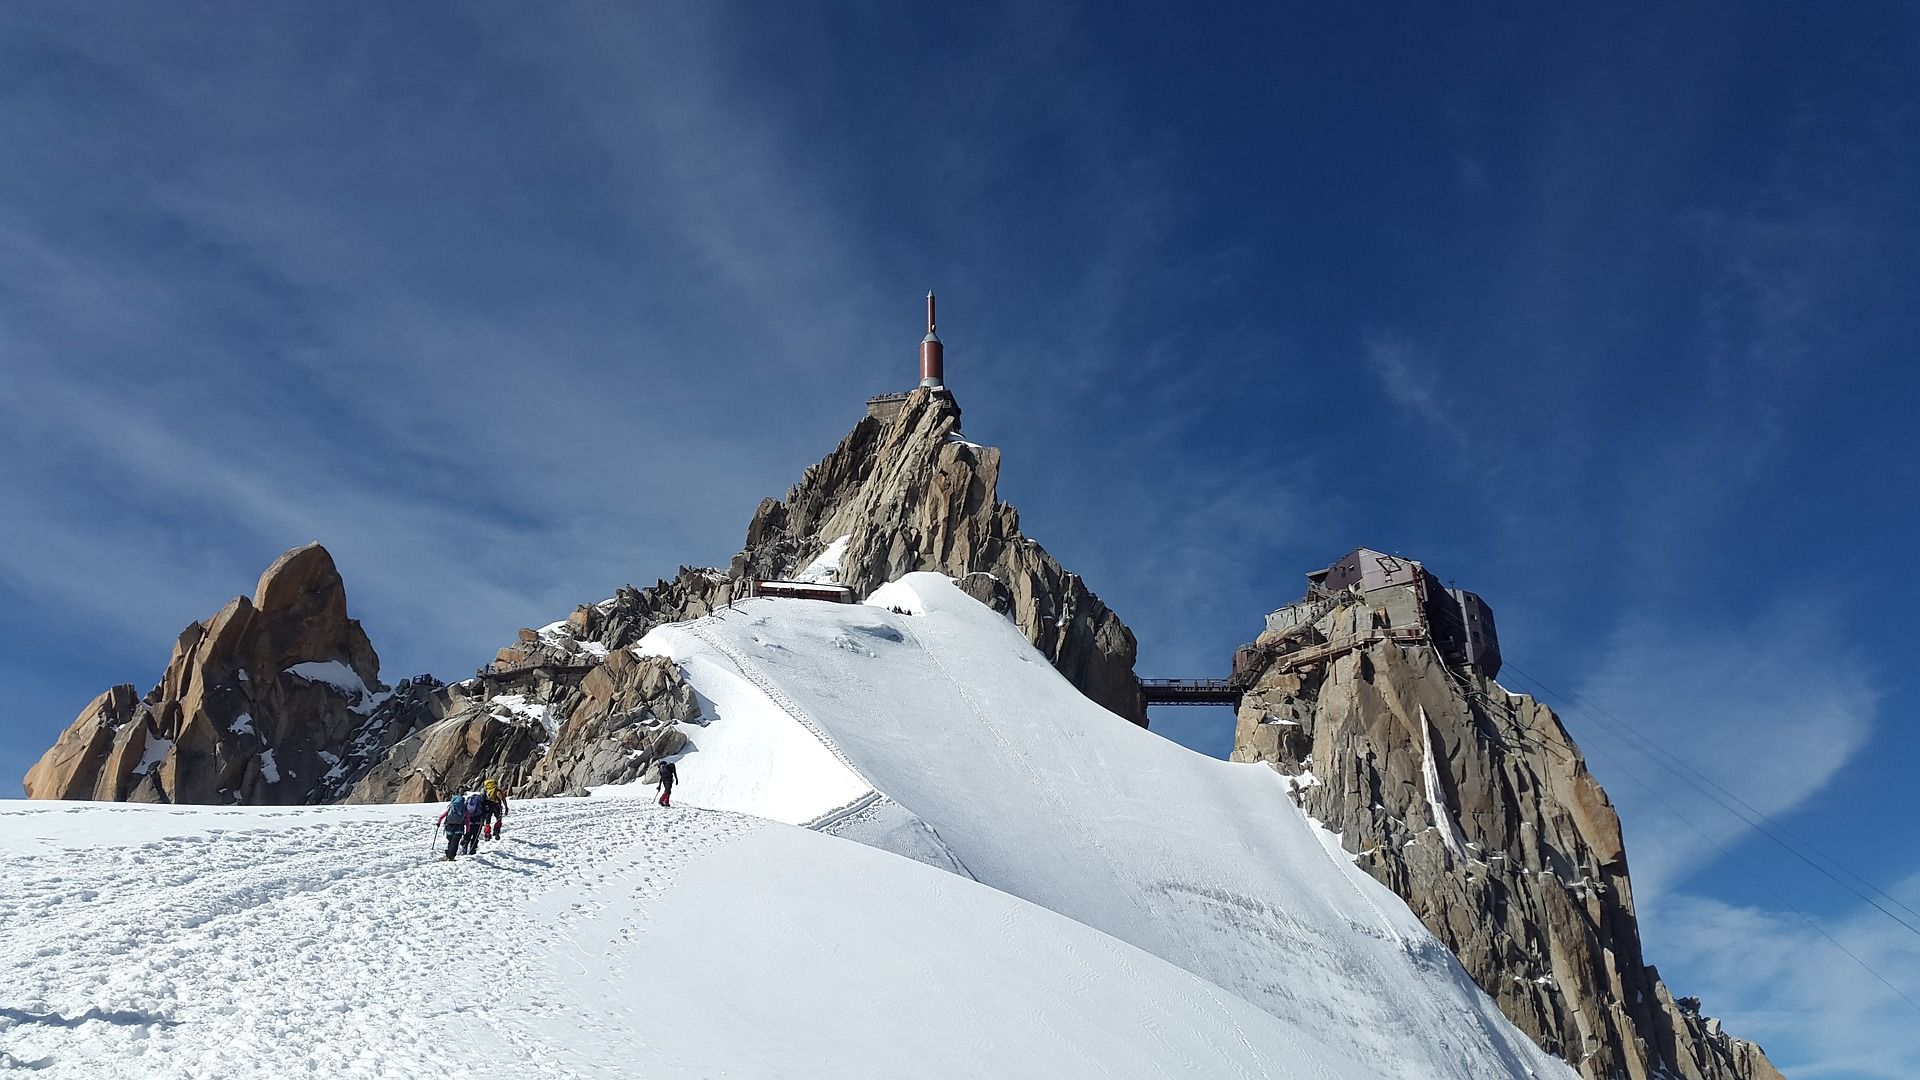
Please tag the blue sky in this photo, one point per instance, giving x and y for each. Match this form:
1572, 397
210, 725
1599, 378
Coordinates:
1607, 315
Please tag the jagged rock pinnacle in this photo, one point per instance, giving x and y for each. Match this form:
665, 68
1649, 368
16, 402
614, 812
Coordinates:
258, 704
1476, 807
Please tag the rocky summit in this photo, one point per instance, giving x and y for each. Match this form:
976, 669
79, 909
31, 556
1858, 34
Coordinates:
911, 493
1475, 805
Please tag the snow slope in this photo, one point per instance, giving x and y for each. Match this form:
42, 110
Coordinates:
600, 938
981, 757
1100, 903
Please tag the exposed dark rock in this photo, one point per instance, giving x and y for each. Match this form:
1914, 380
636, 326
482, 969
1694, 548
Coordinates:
907, 494
454, 754
549, 730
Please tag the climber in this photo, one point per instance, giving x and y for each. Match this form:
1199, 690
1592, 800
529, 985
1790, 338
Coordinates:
476, 813
668, 774
454, 820
496, 812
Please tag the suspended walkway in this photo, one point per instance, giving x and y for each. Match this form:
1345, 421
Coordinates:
1191, 691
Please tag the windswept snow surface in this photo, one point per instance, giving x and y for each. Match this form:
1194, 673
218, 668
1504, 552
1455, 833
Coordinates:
952, 718
600, 938
777, 769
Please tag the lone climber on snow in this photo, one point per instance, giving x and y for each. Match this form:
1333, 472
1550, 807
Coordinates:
668, 774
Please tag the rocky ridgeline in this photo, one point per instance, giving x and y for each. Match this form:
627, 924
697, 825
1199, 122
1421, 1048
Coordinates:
552, 730
1477, 808
275, 700
252, 711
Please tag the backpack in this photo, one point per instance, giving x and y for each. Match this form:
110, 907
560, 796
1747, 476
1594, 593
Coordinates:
457, 811
476, 805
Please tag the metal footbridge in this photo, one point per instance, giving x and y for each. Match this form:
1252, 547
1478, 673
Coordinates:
1191, 691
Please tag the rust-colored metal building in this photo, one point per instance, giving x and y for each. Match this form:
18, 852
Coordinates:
1403, 595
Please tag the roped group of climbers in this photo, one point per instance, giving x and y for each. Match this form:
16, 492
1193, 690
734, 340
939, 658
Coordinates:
473, 816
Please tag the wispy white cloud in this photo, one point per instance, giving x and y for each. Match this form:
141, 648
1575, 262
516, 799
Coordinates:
284, 342
1406, 374
392, 337
1770, 709
1761, 970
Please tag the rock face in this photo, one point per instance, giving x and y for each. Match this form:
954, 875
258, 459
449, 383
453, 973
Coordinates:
1476, 807
274, 700
551, 729
911, 494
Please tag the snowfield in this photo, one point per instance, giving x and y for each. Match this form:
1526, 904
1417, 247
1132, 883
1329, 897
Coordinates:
1077, 897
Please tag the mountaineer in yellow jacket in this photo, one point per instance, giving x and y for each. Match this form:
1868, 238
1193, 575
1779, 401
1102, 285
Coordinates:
494, 812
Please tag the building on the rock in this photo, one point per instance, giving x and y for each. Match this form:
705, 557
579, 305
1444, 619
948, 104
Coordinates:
1401, 597
803, 590
933, 373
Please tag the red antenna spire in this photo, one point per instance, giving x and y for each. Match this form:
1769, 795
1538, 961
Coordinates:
932, 353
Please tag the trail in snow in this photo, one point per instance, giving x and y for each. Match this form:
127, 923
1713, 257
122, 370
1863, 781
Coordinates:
337, 947
602, 938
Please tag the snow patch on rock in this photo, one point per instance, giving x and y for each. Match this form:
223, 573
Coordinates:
156, 751
342, 678
826, 569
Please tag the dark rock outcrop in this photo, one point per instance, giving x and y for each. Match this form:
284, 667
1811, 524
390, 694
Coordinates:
549, 730
454, 754
277, 699
1475, 806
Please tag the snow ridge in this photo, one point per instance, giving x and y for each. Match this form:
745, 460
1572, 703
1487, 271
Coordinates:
973, 740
